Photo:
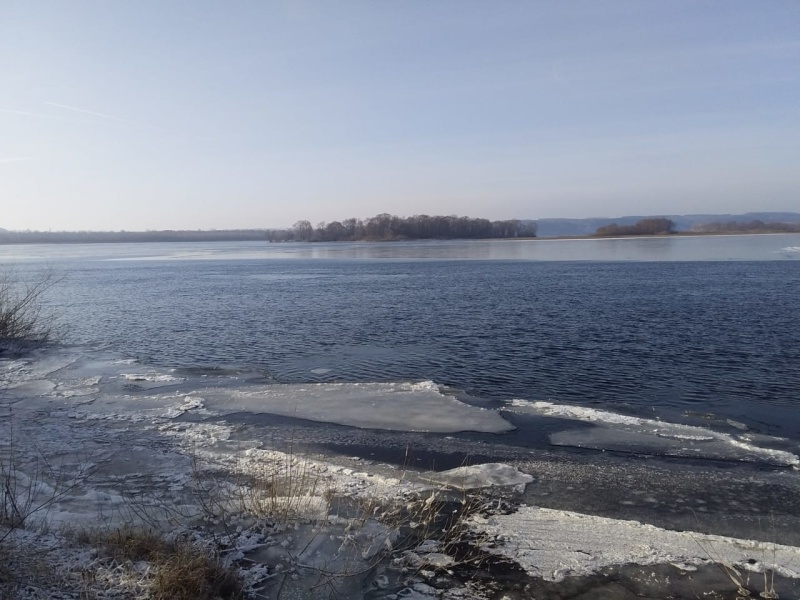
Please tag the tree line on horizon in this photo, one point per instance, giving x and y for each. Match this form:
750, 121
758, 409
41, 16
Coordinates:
385, 227
755, 226
650, 226
665, 226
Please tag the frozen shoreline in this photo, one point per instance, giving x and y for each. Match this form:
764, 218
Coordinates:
119, 432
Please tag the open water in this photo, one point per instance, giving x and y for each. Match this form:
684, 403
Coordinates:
666, 327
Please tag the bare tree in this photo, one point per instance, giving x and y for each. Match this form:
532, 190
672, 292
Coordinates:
303, 231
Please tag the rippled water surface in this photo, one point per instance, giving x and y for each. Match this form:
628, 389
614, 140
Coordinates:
671, 325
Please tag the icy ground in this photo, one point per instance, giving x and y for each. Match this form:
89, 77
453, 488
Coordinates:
96, 443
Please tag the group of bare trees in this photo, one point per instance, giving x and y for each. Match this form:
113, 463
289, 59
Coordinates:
664, 226
651, 226
755, 226
391, 227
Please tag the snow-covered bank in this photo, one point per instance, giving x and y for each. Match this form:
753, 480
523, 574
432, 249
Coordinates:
92, 445
555, 544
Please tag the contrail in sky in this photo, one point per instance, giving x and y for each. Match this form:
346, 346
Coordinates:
91, 112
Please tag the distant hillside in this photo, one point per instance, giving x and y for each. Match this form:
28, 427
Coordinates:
567, 227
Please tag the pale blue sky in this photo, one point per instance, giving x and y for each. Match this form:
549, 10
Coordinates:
190, 114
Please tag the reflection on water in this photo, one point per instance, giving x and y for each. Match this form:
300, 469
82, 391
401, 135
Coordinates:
655, 249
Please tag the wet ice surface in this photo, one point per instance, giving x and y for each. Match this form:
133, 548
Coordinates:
137, 430
404, 406
390, 422
119, 384
646, 436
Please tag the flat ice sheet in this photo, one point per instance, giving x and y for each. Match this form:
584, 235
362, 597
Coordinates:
400, 406
129, 389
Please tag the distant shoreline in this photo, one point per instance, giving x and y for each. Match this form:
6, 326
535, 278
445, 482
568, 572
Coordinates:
668, 235
248, 237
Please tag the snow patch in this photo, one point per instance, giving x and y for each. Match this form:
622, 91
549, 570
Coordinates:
554, 544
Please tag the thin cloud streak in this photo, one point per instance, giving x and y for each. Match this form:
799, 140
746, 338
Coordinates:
25, 113
10, 111
14, 159
90, 112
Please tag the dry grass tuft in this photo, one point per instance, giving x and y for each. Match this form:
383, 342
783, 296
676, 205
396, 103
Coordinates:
6, 574
129, 543
287, 488
181, 570
291, 489
190, 573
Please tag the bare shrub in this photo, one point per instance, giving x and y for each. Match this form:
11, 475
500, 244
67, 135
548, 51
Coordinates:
24, 321
29, 484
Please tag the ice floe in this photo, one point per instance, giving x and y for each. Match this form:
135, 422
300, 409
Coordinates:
790, 251
482, 476
627, 433
150, 380
402, 406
